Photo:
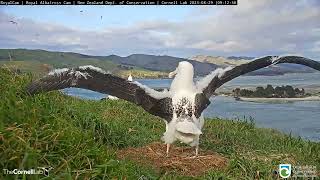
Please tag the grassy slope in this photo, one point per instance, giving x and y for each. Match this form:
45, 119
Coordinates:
36, 67
79, 138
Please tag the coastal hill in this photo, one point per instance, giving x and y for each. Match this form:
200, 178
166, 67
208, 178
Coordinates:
42, 60
222, 61
139, 65
159, 63
238, 60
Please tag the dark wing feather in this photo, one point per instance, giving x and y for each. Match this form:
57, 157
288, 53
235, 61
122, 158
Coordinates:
154, 102
220, 79
201, 103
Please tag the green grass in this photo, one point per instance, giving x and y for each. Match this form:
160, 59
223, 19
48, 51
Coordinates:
79, 138
36, 67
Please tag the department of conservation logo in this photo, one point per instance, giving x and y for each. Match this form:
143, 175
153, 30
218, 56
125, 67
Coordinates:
284, 170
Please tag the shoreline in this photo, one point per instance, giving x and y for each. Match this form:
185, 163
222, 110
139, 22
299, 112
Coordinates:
310, 98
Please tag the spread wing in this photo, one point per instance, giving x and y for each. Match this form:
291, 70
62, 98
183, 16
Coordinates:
217, 78
96, 79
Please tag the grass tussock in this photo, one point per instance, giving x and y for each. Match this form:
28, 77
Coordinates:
80, 139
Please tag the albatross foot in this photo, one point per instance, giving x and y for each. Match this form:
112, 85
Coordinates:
197, 150
168, 147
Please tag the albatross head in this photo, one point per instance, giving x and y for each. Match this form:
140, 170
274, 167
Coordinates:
184, 67
183, 78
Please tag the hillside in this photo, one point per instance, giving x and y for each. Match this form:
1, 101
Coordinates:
160, 63
54, 59
144, 66
220, 61
142, 73
112, 63
80, 139
235, 60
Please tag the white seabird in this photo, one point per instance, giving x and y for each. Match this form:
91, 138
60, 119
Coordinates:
130, 78
184, 126
181, 107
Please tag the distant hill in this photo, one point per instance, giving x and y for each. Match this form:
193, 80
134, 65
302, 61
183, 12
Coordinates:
41, 61
159, 63
237, 60
112, 63
240, 57
55, 59
219, 60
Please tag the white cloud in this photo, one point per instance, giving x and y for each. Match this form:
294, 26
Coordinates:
252, 28
316, 47
228, 46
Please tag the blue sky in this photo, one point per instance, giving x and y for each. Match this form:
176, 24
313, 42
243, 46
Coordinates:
252, 28
90, 17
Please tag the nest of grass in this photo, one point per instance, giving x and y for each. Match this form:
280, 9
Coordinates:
181, 159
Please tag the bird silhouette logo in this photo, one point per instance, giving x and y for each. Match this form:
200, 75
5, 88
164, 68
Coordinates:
46, 170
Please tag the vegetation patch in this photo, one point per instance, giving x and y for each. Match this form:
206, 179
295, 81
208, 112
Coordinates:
271, 92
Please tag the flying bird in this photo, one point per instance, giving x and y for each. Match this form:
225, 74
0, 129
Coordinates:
181, 107
16, 24
13, 22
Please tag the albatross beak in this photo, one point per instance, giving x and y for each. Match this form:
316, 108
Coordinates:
173, 73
